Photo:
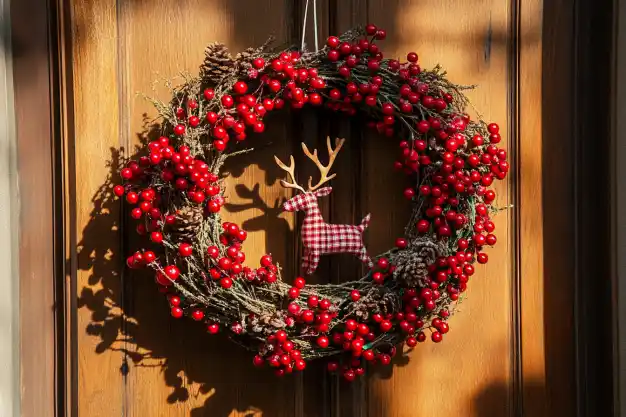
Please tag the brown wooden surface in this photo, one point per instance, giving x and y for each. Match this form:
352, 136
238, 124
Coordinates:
134, 360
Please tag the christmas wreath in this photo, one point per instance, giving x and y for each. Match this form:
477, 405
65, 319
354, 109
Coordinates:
175, 187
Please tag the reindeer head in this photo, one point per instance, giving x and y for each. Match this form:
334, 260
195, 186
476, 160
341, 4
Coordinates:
308, 198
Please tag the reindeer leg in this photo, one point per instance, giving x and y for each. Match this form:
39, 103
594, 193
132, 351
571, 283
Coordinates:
364, 257
306, 260
314, 259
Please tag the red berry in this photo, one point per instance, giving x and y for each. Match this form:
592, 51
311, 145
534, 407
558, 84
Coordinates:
436, 337
355, 295
198, 197
308, 316
225, 263
175, 301
323, 341
227, 101
136, 213
172, 272
493, 128
333, 42
411, 57
179, 130
312, 301
373, 65
213, 252
211, 117
401, 243
294, 292
209, 94
132, 197
226, 282
345, 48
194, 121
240, 88
383, 263
185, 249
258, 63
293, 308
349, 375
213, 328
371, 29
149, 256
266, 260
333, 55
197, 315
258, 361
281, 336
299, 282
118, 190
300, 365
423, 226
156, 237
177, 312
385, 359
385, 326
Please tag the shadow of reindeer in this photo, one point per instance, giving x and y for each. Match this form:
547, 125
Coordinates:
269, 219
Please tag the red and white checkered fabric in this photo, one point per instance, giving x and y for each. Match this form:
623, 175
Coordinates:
319, 237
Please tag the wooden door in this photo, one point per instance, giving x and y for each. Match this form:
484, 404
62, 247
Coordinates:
132, 359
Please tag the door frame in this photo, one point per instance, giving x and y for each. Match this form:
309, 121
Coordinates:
37, 40
576, 60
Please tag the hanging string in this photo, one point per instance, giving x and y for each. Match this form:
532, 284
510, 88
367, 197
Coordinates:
306, 12
315, 24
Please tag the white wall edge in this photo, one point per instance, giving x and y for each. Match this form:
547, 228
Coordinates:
9, 209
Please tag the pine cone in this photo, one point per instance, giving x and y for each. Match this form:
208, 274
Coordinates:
250, 53
218, 62
381, 301
412, 262
266, 323
247, 55
188, 220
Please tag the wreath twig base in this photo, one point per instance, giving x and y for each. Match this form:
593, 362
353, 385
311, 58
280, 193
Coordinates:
175, 188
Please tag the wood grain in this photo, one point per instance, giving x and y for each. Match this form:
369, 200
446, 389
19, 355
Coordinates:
96, 127
532, 227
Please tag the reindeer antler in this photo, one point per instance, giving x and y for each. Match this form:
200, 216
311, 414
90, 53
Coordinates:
324, 170
290, 169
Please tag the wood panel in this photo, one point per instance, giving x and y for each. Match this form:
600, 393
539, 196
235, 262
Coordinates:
469, 373
98, 254
530, 308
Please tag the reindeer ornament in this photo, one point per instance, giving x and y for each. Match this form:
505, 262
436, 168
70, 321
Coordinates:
319, 237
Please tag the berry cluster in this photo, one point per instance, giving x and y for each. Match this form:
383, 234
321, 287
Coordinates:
449, 161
